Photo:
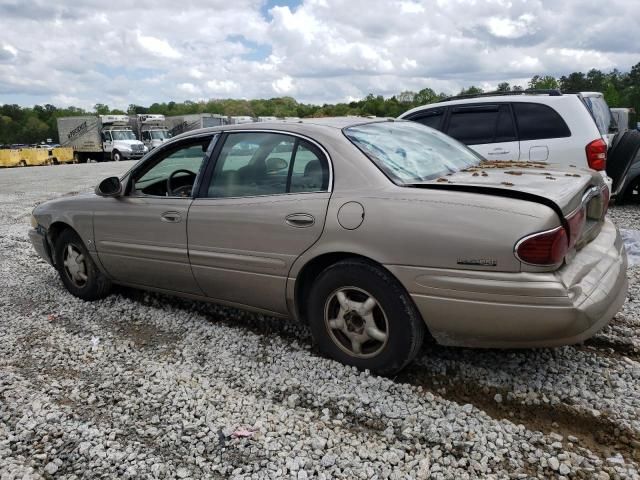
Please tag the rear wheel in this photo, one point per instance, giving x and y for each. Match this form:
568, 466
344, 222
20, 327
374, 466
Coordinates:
360, 315
632, 192
78, 272
621, 156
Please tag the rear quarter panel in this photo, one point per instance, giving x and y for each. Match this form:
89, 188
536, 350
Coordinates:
439, 229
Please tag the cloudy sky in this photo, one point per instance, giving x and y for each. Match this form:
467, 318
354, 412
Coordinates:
82, 52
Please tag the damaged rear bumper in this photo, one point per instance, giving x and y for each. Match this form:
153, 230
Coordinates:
510, 310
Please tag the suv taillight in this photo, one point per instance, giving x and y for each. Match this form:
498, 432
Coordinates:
543, 248
597, 154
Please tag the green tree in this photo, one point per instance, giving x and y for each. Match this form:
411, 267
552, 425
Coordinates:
545, 82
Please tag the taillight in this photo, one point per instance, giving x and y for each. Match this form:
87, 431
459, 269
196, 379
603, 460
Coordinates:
543, 248
597, 154
576, 223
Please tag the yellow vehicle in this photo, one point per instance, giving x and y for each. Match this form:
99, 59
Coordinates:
9, 157
63, 154
35, 156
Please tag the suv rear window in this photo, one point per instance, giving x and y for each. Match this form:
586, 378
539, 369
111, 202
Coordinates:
475, 125
537, 121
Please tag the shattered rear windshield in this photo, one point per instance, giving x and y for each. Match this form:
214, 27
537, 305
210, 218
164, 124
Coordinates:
409, 152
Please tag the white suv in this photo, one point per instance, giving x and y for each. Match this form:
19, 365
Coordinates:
541, 126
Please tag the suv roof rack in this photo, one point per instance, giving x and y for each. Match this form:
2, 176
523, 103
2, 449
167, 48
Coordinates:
552, 92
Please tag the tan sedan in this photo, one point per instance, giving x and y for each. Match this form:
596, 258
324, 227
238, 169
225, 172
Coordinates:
373, 232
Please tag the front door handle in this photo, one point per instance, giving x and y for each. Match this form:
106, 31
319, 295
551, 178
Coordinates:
171, 217
300, 220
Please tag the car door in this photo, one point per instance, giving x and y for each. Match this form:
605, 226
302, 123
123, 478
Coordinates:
486, 128
263, 204
141, 237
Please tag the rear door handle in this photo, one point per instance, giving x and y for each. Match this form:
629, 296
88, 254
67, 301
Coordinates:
300, 220
171, 217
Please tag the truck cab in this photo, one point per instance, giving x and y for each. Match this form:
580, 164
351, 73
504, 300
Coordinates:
152, 130
118, 140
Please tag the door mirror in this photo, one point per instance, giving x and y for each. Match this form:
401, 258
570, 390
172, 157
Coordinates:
275, 164
109, 187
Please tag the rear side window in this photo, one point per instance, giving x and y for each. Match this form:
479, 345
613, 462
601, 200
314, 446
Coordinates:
537, 121
430, 118
475, 125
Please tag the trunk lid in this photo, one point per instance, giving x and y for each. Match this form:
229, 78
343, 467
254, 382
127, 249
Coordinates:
579, 197
564, 188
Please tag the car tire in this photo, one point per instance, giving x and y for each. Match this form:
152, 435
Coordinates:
632, 191
621, 157
360, 315
77, 270
116, 156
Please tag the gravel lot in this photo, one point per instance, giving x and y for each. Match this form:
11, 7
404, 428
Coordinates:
142, 385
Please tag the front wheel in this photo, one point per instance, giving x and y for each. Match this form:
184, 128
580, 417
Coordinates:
117, 156
360, 315
78, 272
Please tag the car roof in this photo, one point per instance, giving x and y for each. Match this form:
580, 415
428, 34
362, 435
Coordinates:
527, 98
303, 126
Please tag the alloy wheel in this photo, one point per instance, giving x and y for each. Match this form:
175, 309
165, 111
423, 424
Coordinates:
356, 322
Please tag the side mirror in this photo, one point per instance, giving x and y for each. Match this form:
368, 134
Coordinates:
109, 187
275, 164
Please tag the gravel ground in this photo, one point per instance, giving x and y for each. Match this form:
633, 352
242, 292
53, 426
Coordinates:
142, 385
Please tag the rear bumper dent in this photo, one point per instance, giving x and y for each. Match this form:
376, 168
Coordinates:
511, 310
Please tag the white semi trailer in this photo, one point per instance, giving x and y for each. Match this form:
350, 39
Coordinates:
100, 137
151, 129
184, 123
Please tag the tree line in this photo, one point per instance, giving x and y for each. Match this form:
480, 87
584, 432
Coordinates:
36, 124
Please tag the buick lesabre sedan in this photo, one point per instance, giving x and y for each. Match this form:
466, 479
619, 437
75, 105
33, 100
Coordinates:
374, 232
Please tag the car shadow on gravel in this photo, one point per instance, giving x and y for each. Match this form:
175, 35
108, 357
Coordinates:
257, 323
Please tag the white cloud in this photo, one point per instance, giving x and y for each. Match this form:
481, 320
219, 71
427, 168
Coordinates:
284, 85
157, 46
10, 49
508, 28
318, 51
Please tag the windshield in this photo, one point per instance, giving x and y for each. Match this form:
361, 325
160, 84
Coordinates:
601, 114
160, 134
409, 152
123, 135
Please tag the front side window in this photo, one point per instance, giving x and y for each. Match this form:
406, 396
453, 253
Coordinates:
174, 172
430, 118
536, 122
257, 163
408, 152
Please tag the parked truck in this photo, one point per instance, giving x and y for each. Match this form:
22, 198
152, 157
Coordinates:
151, 129
185, 123
100, 137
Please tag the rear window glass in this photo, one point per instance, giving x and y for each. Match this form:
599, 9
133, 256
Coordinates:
537, 121
408, 152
